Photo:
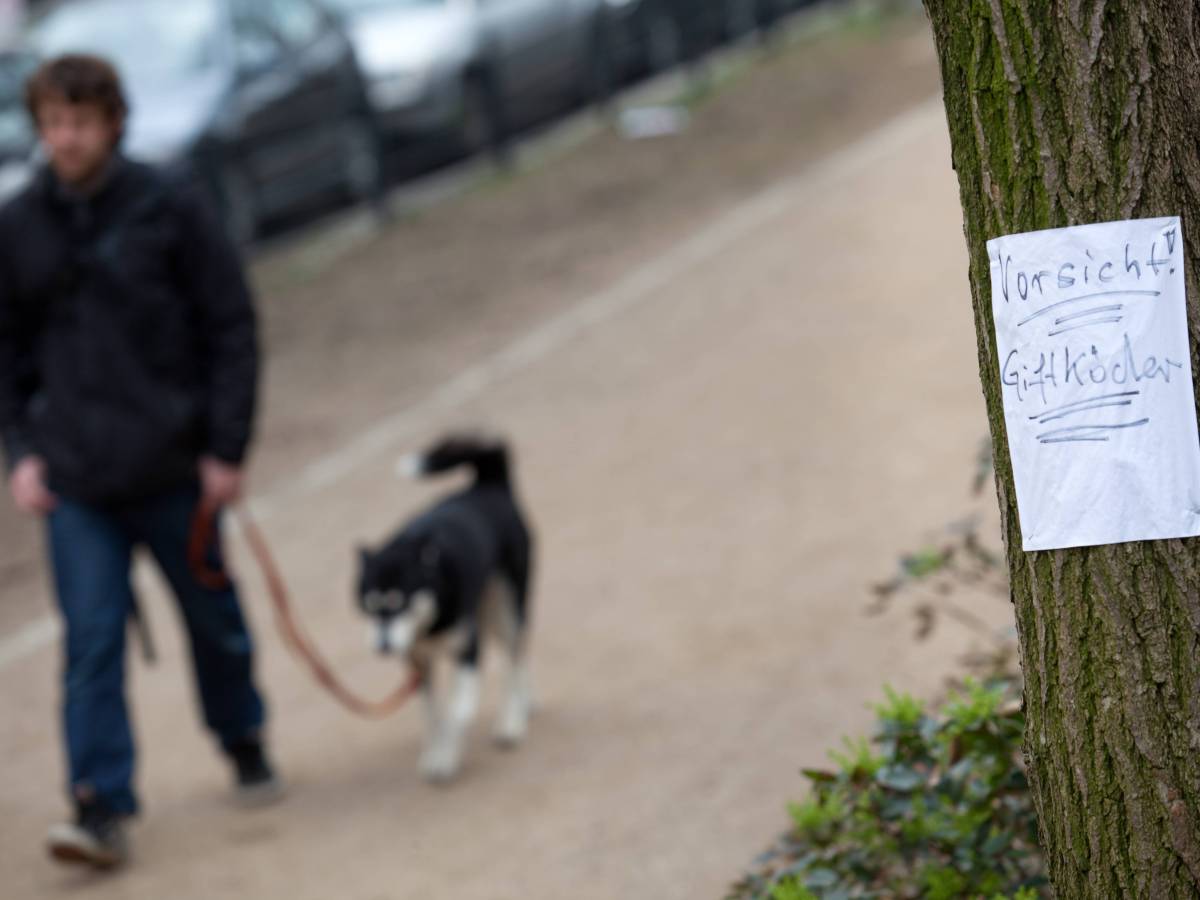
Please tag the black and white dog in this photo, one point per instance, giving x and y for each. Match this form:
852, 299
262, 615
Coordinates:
457, 573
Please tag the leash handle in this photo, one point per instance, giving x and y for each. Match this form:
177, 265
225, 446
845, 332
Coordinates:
204, 537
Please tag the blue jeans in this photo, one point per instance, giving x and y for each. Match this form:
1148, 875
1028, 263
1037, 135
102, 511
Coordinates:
91, 550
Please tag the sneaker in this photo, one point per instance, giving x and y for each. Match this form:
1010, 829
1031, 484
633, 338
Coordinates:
96, 838
255, 781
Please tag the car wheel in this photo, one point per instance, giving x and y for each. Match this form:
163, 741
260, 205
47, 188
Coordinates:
362, 154
239, 207
664, 44
740, 19
481, 126
598, 80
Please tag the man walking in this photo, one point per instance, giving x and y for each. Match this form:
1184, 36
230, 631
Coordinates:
128, 370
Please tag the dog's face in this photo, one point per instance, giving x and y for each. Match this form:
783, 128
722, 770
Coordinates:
399, 589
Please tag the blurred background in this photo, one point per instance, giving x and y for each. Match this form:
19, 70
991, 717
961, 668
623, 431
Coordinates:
278, 104
701, 261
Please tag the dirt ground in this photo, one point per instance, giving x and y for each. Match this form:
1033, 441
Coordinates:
739, 370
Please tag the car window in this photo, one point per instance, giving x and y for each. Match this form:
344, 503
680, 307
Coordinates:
298, 22
256, 45
145, 38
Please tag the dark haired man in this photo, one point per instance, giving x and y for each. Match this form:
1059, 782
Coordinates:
128, 369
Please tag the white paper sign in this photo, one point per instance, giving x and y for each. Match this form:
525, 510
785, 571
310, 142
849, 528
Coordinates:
1091, 332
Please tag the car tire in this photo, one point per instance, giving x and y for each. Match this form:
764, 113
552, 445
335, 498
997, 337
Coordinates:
481, 127
598, 79
741, 18
238, 206
362, 155
663, 44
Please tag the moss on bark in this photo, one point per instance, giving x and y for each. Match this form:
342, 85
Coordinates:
1065, 112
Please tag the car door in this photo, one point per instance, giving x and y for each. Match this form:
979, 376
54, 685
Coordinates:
268, 152
328, 95
526, 38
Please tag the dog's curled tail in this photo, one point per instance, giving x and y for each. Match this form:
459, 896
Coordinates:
488, 456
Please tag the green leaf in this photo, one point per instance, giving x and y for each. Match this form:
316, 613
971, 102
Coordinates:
900, 778
924, 562
791, 889
821, 878
902, 709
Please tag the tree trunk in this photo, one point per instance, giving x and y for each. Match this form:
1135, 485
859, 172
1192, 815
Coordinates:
1066, 112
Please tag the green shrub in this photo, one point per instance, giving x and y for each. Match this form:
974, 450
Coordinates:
936, 806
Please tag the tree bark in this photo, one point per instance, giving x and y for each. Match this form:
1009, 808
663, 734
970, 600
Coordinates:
1065, 112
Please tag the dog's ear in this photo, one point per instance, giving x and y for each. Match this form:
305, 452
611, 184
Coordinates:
431, 554
364, 556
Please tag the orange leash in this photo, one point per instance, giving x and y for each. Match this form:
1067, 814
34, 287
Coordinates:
204, 536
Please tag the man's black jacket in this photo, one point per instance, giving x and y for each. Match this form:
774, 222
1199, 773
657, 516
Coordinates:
128, 343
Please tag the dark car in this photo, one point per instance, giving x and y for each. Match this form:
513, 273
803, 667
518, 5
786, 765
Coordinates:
472, 69
262, 99
651, 35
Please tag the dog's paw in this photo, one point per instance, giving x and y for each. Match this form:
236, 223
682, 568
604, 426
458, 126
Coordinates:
508, 738
513, 724
440, 763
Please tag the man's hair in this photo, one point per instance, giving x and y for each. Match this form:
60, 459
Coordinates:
79, 79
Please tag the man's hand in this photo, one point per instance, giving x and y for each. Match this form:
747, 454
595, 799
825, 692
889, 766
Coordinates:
220, 482
27, 484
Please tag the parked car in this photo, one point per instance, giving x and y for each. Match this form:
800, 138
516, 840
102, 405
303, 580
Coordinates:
262, 99
646, 36
472, 69
652, 35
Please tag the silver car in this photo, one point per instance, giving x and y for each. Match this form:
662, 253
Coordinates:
473, 69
